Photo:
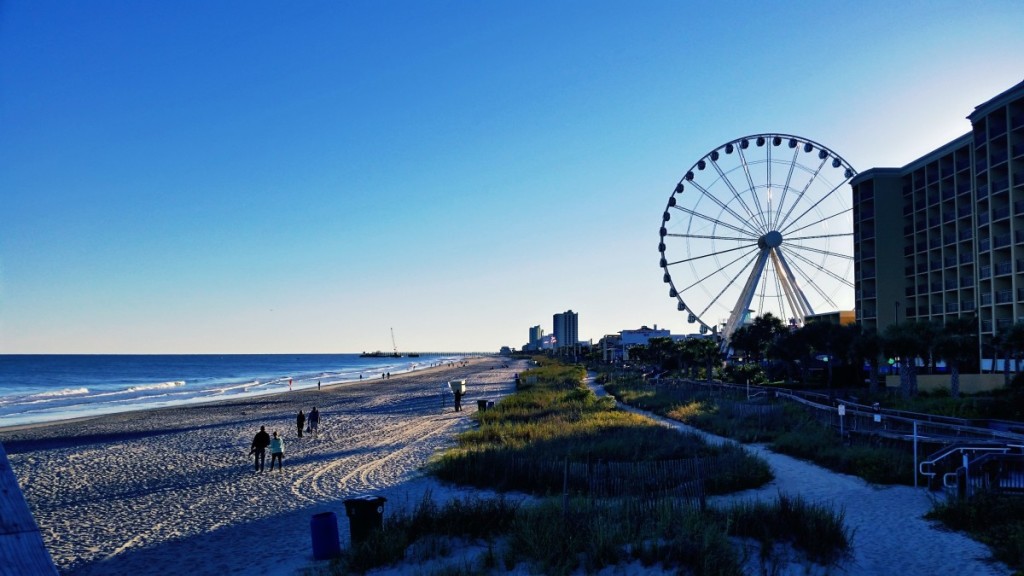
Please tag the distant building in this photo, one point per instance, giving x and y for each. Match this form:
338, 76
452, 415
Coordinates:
566, 329
536, 333
643, 335
843, 317
615, 347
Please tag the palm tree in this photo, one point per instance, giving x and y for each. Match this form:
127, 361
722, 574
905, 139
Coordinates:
903, 340
792, 349
705, 350
957, 344
687, 353
866, 345
1013, 345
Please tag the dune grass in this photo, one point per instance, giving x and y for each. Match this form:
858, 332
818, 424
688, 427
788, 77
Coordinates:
522, 442
563, 529
785, 428
585, 535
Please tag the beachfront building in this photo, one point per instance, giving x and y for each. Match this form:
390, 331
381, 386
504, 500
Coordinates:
615, 347
536, 333
944, 235
566, 329
642, 336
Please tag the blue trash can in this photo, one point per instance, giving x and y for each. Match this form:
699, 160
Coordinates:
324, 528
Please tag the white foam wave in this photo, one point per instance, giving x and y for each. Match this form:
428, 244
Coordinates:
158, 386
58, 393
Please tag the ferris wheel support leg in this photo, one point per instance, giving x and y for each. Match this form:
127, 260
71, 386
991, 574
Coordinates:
746, 296
796, 296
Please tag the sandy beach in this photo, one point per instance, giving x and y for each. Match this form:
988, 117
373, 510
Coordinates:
172, 491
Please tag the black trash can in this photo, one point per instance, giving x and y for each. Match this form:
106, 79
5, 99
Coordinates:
365, 514
324, 529
481, 405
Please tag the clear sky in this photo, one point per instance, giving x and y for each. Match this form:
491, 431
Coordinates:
193, 177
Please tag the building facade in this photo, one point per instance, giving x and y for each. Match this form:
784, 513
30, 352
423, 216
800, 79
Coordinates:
566, 329
944, 236
536, 334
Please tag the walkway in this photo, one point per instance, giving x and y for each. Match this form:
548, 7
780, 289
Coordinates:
889, 532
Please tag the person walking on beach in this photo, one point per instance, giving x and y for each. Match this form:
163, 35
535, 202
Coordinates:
314, 421
300, 421
259, 448
458, 397
277, 452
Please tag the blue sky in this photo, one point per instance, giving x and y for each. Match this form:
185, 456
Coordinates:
192, 177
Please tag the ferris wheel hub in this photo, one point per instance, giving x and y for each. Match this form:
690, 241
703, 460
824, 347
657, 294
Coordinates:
772, 239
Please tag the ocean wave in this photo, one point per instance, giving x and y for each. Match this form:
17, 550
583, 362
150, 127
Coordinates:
159, 386
231, 388
58, 394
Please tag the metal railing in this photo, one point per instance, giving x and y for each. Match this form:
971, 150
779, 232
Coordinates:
950, 436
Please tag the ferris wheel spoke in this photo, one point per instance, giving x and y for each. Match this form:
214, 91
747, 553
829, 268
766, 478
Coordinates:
815, 205
786, 186
768, 168
711, 254
814, 285
820, 220
750, 183
822, 269
750, 233
725, 207
709, 237
737, 195
819, 236
782, 223
820, 251
752, 263
719, 270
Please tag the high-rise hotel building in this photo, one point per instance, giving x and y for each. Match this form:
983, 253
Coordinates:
566, 329
944, 235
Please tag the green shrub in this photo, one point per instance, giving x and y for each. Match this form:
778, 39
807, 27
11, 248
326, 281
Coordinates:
993, 519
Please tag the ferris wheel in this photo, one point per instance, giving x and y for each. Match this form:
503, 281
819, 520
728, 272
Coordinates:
760, 224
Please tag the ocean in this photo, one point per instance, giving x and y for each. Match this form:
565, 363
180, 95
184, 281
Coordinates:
45, 388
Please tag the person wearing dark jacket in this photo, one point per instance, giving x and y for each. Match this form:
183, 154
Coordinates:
259, 448
300, 421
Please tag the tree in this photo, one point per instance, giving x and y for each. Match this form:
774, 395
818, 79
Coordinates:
903, 341
705, 350
866, 345
661, 352
829, 340
686, 351
957, 344
745, 342
792, 350
1013, 345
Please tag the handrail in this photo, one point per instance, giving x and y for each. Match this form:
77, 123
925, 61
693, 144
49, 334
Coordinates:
816, 399
950, 450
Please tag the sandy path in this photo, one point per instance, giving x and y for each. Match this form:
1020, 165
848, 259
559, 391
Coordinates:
890, 534
173, 492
